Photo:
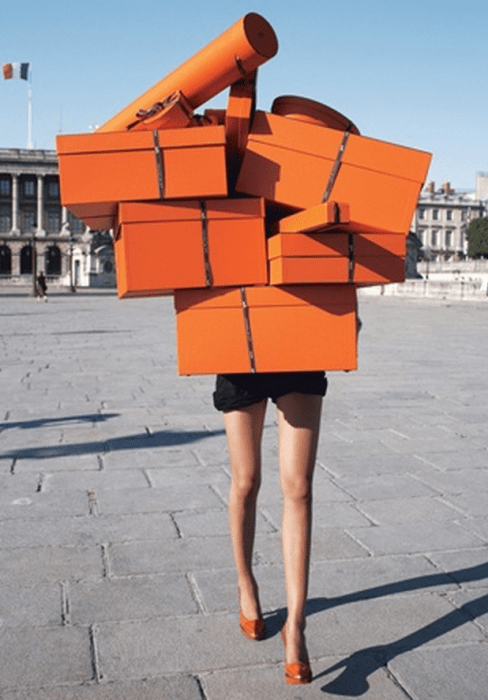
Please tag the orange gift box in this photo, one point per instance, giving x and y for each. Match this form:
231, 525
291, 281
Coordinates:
266, 329
99, 170
162, 246
335, 257
299, 164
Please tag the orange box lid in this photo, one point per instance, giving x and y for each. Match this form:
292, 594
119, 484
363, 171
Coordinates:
323, 142
339, 296
385, 157
189, 210
102, 142
314, 218
295, 135
307, 245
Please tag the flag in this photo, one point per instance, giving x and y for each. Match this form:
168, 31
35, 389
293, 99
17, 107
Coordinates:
16, 70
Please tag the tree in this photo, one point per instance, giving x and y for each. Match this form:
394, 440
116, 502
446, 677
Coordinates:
477, 237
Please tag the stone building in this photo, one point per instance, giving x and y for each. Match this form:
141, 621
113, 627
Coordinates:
443, 215
38, 234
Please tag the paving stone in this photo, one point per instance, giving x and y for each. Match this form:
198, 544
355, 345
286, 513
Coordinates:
180, 687
456, 482
37, 657
436, 673
405, 510
466, 458
327, 543
43, 505
386, 625
85, 530
189, 475
31, 607
414, 537
268, 682
94, 481
155, 458
166, 556
386, 486
213, 523
471, 503
172, 498
136, 598
352, 462
362, 579
28, 567
159, 647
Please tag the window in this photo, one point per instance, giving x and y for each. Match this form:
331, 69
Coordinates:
5, 187
28, 221
433, 238
464, 215
5, 219
435, 214
29, 188
26, 260
53, 190
76, 225
421, 213
53, 260
449, 214
421, 235
448, 239
53, 221
5, 260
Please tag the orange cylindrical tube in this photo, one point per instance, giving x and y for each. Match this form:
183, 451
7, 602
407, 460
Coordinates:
247, 44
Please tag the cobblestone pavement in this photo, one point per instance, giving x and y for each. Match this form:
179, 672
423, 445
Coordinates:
116, 571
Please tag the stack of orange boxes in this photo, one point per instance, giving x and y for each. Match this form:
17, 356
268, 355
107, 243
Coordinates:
262, 225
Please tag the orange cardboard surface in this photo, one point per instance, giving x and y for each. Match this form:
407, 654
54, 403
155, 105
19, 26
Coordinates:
266, 329
163, 246
300, 164
99, 170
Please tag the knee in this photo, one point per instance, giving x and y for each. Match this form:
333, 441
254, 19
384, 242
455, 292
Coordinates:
245, 488
298, 491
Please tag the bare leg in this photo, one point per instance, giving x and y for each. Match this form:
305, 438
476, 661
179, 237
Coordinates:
244, 429
299, 424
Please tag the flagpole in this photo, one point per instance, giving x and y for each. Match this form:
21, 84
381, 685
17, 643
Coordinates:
29, 111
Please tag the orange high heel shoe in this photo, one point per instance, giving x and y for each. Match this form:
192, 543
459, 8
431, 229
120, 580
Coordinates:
252, 629
296, 673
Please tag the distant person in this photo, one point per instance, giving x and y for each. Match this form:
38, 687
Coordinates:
41, 287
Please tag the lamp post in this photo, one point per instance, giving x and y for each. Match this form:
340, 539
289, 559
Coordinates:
34, 263
72, 287
427, 254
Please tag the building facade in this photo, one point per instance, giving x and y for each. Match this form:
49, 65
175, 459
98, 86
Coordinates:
442, 217
38, 234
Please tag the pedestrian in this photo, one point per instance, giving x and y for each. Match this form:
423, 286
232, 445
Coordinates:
243, 399
42, 287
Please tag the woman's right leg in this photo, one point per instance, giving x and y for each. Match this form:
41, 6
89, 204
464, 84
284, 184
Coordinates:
244, 428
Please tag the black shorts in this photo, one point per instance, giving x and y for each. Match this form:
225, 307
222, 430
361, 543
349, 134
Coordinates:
234, 391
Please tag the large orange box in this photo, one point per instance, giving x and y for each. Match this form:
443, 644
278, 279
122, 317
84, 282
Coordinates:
101, 169
266, 329
162, 246
297, 164
328, 258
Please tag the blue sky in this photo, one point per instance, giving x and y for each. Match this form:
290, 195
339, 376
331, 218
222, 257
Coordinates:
413, 73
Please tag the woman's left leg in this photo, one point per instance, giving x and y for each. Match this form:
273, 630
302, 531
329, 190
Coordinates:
299, 424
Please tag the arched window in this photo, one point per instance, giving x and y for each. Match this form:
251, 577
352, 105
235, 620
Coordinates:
53, 260
5, 260
26, 260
